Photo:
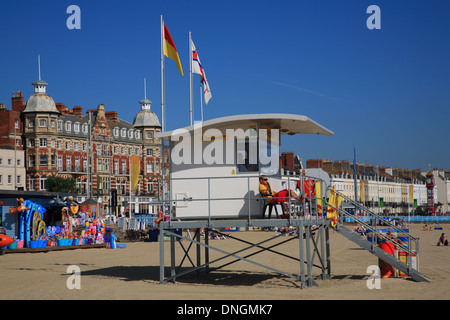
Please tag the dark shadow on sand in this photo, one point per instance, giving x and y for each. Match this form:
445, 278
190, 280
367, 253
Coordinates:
151, 273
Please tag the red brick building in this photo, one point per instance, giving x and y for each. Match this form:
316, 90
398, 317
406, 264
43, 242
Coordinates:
94, 148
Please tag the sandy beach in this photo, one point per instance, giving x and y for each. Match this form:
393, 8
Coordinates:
133, 273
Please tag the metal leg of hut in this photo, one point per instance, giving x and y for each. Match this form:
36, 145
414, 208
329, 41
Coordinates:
309, 247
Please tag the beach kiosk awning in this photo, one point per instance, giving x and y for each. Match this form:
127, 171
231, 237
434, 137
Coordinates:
286, 123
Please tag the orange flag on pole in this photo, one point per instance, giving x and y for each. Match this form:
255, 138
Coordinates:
170, 51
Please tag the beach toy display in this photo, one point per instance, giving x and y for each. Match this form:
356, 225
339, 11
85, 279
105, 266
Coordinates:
33, 232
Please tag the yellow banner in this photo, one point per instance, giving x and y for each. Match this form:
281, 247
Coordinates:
331, 212
318, 197
362, 195
134, 171
411, 193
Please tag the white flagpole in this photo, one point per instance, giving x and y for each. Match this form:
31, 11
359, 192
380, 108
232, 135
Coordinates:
162, 76
201, 100
190, 79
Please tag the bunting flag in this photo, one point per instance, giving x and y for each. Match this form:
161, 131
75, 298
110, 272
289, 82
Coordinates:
170, 51
134, 171
198, 68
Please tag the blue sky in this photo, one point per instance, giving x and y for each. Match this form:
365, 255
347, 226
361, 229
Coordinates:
384, 92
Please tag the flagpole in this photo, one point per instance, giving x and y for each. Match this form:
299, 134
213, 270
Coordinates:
354, 177
201, 101
190, 78
162, 76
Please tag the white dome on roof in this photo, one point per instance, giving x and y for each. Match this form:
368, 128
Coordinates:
40, 101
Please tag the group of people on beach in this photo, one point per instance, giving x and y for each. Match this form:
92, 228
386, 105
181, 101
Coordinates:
442, 239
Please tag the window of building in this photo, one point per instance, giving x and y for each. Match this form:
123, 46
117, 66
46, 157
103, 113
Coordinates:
77, 165
43, 182
1, 179
150, 152
43, 160
31, 123
76, 127
124, 167
116, 166
52, 123
68, 126
67, 145
18, 181
31, 143
53, 160
9, 179
58, 144
116, 132
53, 143
60, 125
85, 128
130, 133
42, 123
149, 167
149, 135
68, 164
84, 146
32, 184
42, 142
123, 132
32, 161
16, 124
60, 164
149, 186
75, 146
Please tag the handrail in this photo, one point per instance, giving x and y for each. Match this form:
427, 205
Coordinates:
373, 226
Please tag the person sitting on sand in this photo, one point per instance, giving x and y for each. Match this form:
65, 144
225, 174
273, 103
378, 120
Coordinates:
443, 240
275, 197
425, 228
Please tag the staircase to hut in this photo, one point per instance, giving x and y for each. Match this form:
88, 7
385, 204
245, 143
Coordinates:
370, 222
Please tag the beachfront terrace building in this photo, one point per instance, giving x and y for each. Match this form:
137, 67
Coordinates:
94, 149
383, 189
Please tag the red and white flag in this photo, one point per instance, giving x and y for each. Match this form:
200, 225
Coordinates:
198, 68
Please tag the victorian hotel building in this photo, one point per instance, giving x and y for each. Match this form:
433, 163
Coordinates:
93, 149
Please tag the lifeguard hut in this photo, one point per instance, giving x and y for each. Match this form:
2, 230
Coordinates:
213, 184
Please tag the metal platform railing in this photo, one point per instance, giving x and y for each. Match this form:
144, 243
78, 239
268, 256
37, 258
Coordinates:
370, 225
302, 185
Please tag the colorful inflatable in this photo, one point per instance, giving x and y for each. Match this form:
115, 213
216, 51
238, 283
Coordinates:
5, 240
31, 222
